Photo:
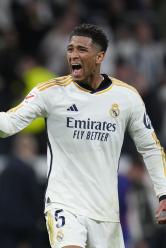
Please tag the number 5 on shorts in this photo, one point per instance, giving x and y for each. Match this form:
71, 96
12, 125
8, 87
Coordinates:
60, 219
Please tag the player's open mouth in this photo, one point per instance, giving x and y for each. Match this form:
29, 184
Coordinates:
76, 70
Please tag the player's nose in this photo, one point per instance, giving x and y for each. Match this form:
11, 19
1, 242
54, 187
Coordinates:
74, 54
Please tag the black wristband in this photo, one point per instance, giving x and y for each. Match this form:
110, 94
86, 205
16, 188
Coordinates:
163, 197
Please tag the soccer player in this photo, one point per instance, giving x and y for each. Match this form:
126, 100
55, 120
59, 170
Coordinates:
87, 114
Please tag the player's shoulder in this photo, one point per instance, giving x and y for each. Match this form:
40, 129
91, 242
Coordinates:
123, 86
58, 81
127, 91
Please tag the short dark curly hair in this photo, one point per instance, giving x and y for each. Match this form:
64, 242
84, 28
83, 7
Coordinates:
92, 31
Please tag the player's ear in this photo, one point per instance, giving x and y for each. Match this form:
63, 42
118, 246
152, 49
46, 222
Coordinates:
100, 57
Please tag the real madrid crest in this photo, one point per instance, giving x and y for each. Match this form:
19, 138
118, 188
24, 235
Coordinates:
114, 111
59, 235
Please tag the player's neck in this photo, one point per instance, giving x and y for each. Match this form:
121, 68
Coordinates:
95, 81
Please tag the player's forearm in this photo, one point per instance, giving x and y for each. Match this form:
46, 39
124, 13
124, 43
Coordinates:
155, 163
8, 126
153, 154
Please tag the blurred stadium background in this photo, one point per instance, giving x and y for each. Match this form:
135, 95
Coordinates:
33, 38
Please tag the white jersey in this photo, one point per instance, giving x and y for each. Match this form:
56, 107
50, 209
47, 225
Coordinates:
85, 135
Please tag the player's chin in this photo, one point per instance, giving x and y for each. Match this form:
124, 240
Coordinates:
77, 79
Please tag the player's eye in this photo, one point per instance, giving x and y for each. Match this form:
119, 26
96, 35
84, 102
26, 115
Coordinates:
69, 49
82, 49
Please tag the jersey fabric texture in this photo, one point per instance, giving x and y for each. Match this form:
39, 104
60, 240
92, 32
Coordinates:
85, 135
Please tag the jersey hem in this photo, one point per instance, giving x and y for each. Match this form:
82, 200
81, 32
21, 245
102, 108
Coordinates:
79, 213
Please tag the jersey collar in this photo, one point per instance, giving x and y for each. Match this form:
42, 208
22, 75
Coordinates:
105, 84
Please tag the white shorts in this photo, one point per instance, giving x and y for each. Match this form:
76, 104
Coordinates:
65, 228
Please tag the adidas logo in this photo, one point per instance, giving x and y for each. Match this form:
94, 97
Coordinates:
72, 108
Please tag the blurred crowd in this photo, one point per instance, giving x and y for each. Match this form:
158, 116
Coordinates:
33, 38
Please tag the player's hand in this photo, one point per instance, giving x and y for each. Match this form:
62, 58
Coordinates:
161, 212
